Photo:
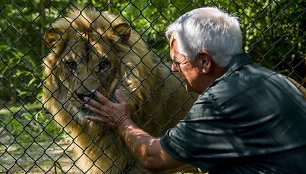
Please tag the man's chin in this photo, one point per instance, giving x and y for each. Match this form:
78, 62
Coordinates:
189, 88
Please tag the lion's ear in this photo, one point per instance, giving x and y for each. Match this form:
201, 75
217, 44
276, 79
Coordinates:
123, 30
52, 36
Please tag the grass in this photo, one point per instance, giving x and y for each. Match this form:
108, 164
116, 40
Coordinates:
29, 139
28, 122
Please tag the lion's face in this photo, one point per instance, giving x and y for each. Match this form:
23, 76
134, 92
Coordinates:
82, 59
84, 67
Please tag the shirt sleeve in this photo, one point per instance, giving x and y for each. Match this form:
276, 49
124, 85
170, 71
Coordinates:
200, 135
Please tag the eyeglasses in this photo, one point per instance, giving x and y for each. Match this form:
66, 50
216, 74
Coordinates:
177, 64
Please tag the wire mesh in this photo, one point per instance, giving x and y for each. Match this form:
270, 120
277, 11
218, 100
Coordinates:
32, 141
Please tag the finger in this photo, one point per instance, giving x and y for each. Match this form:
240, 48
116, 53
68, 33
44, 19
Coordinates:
119, 96
100, 97
94, 103
99, 119
92, 109
95, 118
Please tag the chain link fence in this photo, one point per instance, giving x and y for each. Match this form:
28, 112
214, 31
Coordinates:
36, 140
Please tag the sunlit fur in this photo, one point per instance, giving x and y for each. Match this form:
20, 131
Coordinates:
81, 46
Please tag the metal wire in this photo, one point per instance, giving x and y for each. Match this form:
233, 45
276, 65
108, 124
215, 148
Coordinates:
32, 142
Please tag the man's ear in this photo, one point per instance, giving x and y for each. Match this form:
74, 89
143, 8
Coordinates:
205, 61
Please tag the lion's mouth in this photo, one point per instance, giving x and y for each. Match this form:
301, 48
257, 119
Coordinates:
81, 100
81, 97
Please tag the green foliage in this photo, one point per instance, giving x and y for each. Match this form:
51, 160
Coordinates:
28, 123
274, 35
150, 19
20, 75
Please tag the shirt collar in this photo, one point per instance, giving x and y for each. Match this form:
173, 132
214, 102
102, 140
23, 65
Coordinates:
236, 62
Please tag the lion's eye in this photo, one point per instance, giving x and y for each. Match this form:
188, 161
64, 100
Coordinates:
104, 65
72, 65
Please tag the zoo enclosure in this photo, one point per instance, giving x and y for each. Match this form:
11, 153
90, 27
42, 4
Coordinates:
30, 142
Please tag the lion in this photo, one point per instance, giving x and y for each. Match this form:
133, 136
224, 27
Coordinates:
92, 50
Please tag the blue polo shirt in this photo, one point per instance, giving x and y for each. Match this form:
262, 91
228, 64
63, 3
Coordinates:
251, 119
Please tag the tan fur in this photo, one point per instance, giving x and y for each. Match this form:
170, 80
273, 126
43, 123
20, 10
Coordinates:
156, 98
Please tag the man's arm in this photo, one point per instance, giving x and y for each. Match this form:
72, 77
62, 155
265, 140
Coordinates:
146, 148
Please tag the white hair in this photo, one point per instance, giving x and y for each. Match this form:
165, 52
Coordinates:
207, 29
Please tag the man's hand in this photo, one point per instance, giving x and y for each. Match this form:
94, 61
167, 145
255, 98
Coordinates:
107, 112
144, 147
